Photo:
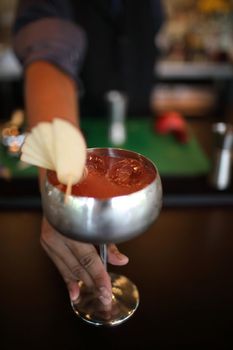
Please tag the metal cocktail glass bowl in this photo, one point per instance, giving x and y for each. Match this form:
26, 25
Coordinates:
103, 221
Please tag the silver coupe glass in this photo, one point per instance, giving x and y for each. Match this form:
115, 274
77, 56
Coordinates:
103, 221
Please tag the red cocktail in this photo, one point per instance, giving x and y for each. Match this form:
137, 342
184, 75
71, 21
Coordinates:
109, 177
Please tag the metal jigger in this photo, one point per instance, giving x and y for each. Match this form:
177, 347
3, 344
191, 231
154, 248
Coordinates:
221, 174
103, 221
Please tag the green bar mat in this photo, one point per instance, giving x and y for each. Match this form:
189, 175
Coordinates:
170, 157
16, 168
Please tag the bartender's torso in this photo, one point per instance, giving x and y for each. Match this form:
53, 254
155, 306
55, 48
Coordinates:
121, 50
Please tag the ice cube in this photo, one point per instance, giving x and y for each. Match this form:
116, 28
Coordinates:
96, 164
126, 172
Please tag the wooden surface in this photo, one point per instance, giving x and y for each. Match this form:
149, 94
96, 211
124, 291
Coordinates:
183, 267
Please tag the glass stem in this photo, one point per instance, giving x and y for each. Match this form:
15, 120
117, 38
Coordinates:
104, 254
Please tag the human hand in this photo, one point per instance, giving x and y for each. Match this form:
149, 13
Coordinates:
78, 261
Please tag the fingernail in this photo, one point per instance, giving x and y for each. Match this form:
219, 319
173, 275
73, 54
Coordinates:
121, 256
73, 291
104, 300
105, 297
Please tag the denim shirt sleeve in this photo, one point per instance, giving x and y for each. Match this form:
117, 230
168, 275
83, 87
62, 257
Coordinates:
44, 30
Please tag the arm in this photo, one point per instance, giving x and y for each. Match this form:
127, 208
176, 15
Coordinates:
49, 93
51, 59
74, 260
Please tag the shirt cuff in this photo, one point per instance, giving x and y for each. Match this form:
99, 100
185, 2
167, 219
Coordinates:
51, 39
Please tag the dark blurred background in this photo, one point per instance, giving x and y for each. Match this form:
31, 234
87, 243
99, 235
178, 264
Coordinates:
193, 73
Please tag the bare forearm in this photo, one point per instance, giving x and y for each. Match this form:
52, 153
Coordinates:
49, 93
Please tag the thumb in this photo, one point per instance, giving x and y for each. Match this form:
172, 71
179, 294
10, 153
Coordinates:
115, 257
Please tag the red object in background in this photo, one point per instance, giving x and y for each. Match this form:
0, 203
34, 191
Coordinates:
172, 122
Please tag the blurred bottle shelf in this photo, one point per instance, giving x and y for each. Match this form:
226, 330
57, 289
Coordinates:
193, 70
190, 100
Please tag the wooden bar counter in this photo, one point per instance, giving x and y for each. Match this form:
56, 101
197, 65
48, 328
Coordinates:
183, 267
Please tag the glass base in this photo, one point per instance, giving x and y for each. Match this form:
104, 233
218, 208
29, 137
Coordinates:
125, 300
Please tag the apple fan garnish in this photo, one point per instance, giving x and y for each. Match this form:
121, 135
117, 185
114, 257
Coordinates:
58, 146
